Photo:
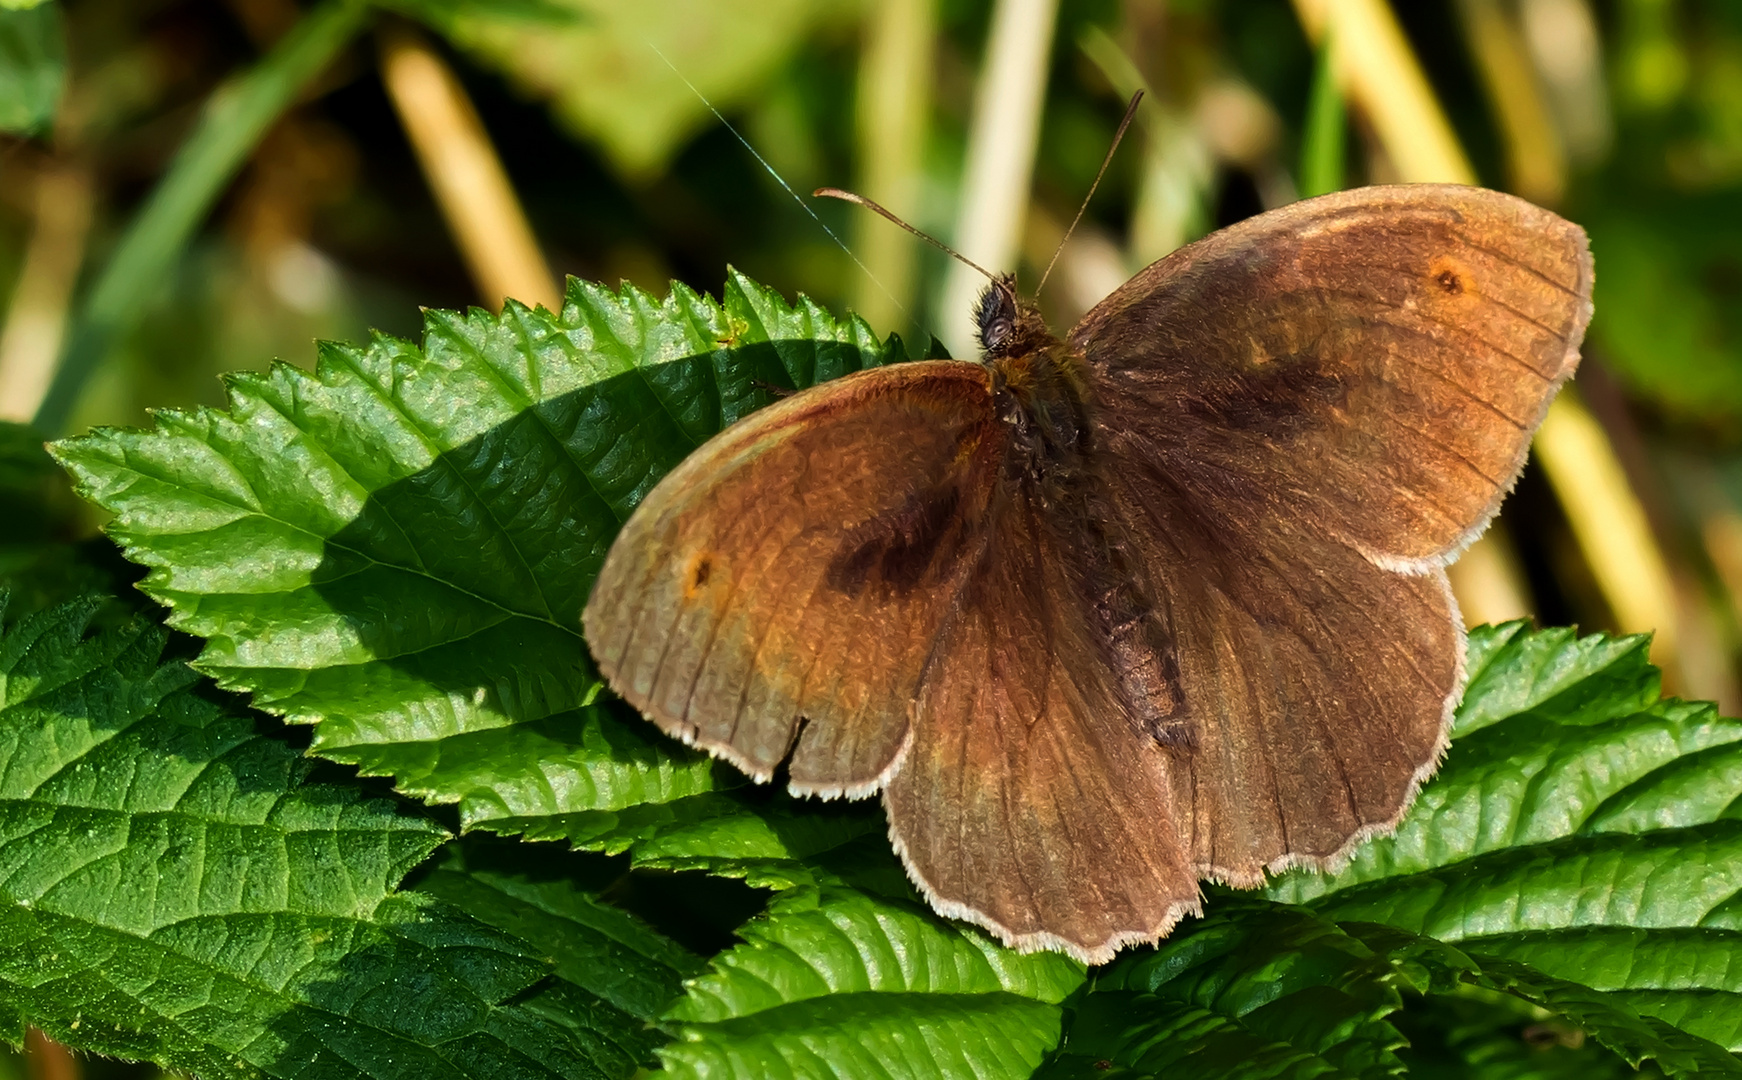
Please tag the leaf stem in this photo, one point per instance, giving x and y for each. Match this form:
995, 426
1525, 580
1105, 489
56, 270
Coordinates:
235, 118
1000, 162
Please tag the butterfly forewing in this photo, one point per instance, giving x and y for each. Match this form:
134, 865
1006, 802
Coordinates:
1302, 417
799, 566
1369, 364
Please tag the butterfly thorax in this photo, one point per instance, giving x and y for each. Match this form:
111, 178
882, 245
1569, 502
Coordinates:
1040, 390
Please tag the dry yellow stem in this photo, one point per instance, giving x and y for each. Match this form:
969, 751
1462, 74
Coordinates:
1536, 163
1608, 522
37, 317
464, 173
1377, 71
1722, 533
895, 84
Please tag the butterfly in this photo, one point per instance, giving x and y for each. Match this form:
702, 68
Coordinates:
1103, 616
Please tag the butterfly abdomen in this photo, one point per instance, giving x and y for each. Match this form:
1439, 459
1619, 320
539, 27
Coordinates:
1138, 647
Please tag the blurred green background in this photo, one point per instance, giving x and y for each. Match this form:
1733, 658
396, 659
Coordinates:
189, 187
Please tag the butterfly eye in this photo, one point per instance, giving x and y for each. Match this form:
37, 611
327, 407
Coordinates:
996, 315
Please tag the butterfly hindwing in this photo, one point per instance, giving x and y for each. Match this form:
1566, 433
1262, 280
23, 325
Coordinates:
1030, 801
1320, 687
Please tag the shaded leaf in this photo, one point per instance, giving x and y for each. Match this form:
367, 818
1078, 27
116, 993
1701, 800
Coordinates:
541, 896
1250, 991
43, 560
1432, 966
1476, 1034
174, 888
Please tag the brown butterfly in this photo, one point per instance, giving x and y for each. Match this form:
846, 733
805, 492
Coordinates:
1160, 601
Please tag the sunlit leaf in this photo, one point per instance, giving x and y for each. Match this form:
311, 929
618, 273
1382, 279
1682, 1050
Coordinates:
32, 65
837, 982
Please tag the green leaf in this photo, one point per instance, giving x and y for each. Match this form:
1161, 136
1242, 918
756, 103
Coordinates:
537, 895
834, 981
1250, 992
396, 547
1554, 673
1580, 826
662, 59
174, 887
33, 66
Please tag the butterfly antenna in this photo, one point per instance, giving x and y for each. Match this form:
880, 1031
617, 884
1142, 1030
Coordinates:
837, 193
781, 180
1130, 111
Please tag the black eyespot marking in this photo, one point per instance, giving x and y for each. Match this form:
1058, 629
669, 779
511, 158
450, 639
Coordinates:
704, 567
904, 548
1280, 398
1450, 282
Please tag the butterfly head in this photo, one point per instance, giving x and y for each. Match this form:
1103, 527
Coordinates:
1007, 325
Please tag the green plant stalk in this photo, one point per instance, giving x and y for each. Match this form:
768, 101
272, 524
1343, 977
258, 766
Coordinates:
1322, 141
236, 117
